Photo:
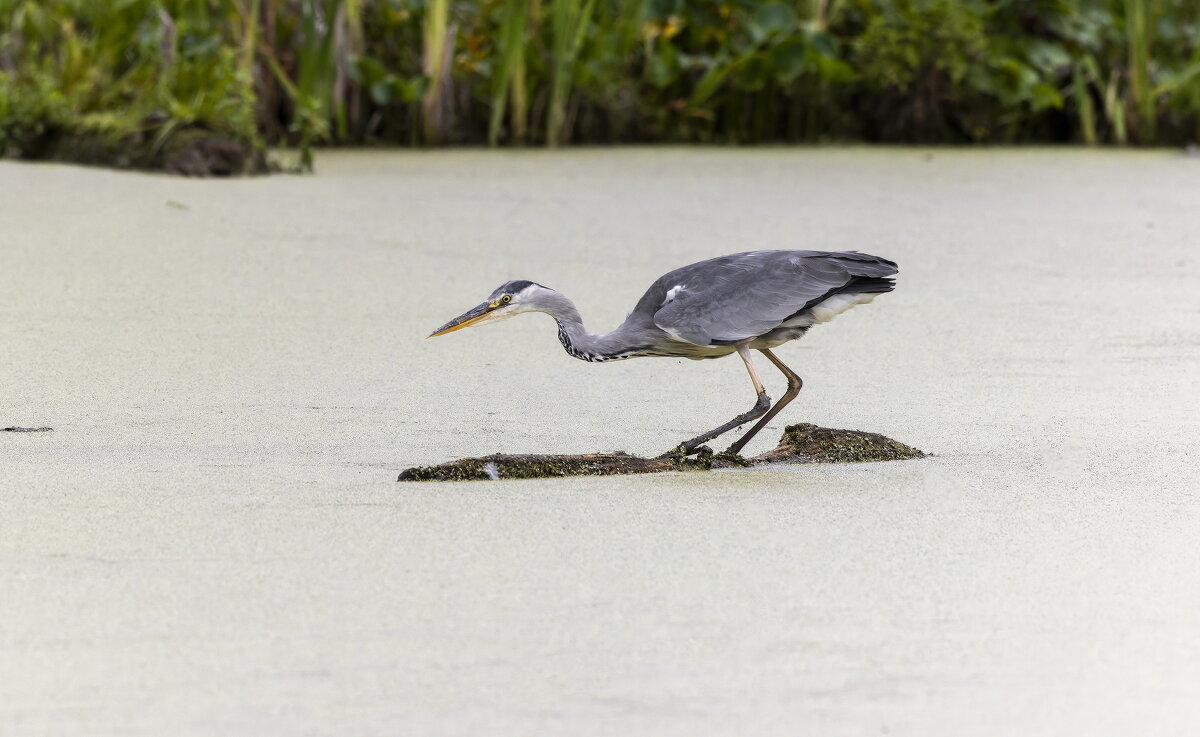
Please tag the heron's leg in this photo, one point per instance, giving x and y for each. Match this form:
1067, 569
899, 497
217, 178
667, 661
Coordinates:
793, 388
763, 404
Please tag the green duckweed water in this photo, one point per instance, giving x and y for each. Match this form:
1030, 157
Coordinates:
212, 538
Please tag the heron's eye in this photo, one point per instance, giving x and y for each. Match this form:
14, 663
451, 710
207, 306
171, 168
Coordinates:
505, 299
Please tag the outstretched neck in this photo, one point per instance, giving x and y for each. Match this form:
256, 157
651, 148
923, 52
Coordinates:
575, 338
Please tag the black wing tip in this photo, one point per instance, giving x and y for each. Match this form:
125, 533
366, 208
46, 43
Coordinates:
870, 285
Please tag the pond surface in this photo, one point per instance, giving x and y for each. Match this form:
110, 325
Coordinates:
212, 541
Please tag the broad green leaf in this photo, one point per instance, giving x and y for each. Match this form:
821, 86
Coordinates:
1046, 96
771, 19
790, 59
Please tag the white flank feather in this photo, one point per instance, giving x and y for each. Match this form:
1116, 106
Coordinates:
839, 303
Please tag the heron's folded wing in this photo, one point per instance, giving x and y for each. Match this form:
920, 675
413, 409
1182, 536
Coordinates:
728, 300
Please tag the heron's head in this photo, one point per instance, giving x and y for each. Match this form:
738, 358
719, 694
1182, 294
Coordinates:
510, 298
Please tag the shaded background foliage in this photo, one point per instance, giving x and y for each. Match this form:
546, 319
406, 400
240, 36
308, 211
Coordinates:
549, 72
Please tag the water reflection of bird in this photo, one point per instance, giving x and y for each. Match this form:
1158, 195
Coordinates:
710, 309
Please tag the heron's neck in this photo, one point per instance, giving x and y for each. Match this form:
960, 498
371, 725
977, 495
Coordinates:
577, 341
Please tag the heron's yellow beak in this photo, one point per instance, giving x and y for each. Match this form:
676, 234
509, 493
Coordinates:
473, 316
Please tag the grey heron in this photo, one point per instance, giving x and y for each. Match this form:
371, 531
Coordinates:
730, 304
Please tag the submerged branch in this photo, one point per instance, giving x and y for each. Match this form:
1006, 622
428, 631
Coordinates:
803, 443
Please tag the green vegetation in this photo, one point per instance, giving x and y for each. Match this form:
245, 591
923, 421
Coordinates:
139, 82
127, 80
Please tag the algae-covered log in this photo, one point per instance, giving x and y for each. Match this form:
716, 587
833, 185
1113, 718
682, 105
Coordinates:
800, 444
806, 443
501, 466
193, 152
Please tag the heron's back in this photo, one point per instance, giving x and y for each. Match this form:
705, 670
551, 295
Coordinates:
732, 298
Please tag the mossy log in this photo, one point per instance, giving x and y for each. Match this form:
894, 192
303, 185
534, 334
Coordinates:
804, 443
193, 152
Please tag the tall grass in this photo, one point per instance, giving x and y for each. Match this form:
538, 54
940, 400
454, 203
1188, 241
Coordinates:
510, 75
1137, 29
569, 23
439, 51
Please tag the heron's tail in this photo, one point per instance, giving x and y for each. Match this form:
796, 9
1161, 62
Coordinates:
870, 274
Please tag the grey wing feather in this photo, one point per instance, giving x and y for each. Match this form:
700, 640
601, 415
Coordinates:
732, 298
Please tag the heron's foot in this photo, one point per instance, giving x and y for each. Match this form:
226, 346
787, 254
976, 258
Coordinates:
692, 446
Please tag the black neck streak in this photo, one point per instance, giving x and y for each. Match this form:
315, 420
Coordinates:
590, 357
